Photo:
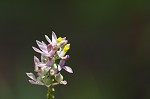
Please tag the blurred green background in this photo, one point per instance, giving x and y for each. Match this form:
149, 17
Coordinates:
110, 47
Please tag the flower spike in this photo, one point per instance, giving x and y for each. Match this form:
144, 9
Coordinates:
53, 59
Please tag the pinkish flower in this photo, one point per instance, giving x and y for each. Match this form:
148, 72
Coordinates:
53, 58
62, 63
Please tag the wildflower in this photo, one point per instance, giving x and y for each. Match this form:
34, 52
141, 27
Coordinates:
62, 63
53, 59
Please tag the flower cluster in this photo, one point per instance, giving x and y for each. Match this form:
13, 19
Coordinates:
53, 58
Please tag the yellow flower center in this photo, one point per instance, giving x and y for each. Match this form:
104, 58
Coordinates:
66, 48
59, 39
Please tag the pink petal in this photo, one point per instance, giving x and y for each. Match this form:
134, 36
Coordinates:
31, 75
41, 64
38, 43
44, 49
37, 50
68, 69
54, 37
35, 82
32, 82
36, 60
49, 47
47, 38
42, 46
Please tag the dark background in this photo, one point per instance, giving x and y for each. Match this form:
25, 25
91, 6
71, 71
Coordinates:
110, 47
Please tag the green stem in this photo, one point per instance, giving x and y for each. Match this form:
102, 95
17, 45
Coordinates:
50, 93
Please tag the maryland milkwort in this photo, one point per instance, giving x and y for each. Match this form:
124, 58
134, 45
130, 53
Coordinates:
48, 68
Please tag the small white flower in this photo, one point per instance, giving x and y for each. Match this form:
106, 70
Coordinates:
64, 51
56, 41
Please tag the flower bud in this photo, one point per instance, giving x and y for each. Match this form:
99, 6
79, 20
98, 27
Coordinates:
43, 70
59, 77
52, 72
54, 67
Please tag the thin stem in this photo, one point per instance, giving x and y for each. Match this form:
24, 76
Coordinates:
50, 93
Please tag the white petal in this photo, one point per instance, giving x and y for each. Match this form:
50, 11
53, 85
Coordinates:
48, 39
37, 50
46, 54
38, 43
42, 46
44, 49
41, 64
36, 60
63, 82
40, 83
47, 86
59, 68
32, 82
62, 43
68, 44
44, 43
62, 53
64, 38
36, 82
68, 69
55, 83
58, 52
31, 75
65, 57
54, 38
36, 68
